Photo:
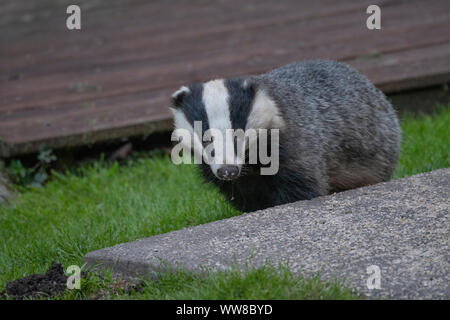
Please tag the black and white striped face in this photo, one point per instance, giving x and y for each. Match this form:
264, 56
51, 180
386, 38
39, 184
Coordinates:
221, 105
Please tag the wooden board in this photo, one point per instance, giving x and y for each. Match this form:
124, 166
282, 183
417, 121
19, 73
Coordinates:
114, 77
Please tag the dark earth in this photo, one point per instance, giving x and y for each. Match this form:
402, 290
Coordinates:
53, 283
50, 284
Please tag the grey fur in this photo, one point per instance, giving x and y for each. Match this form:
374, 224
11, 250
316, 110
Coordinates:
341, 133
340, 127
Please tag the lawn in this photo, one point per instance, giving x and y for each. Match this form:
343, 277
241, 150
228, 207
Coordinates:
101, 204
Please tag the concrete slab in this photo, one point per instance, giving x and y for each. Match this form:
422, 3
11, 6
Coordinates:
400, 226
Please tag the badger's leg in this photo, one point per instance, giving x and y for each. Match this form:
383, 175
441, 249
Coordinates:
256, 192
366, 171
294, 185
351, 177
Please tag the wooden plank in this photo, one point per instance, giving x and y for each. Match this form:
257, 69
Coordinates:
209, 37
412, 69
140, 111
173, 71
69, 88
206, 19
55, 89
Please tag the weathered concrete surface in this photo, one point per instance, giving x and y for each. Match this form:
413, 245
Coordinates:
401, 226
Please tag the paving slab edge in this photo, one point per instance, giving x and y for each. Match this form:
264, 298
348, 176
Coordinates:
96, 260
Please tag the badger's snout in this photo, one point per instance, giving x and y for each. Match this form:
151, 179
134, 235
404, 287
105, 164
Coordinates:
228, 172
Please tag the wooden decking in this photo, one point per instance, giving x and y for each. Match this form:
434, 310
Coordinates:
113, 78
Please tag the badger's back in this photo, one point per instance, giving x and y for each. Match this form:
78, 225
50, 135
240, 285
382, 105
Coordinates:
335, 112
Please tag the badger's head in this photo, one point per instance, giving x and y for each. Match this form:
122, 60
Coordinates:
221, 105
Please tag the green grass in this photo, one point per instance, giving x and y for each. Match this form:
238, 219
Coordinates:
101, 204
425, 143
267, 282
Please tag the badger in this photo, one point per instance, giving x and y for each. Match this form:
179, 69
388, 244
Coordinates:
337, 131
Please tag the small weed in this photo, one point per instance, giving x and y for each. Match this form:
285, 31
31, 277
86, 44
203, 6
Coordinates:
34, 176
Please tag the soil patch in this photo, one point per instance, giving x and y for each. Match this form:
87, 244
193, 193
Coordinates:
50, 284
54, 283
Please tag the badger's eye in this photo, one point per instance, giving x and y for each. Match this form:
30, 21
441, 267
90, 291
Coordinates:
209, 146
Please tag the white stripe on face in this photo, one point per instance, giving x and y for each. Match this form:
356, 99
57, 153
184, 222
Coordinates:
264, 113
180, 122
215, 98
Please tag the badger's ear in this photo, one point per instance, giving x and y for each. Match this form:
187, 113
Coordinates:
177, 96
248, 84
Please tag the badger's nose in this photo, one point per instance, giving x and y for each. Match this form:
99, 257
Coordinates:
228, 172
